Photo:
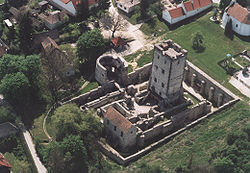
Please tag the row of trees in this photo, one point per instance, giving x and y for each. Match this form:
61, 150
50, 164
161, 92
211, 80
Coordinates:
75, 148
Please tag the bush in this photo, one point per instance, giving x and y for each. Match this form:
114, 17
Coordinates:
7, 114
198, 42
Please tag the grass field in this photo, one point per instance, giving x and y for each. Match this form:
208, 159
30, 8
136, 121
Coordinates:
199, 142
2, 1
90, 86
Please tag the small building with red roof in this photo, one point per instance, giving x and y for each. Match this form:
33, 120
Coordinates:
119, 129
70, 6
185, 10
240, 17
4, 165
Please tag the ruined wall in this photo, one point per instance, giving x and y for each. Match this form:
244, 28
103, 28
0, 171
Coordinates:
207, 87
140, 75
93, 94
177, 120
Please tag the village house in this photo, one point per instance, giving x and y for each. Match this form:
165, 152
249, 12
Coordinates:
127, 6
122, 131
71, 5
240, 17
4, 165
185, 10
51, 49
54, 19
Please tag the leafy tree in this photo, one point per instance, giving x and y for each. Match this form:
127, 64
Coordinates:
223, 165
228, 29
82, 10
75, 154
30, 66
25, 32
113, 23
144, 5
157, 8
6, 114
197, 41
66, 120
90, 45
223, 4
15, 87
104, 4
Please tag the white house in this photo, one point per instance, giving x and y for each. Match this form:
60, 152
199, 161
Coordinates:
127, 5
185, 10
240, 18
71, 5
121, 130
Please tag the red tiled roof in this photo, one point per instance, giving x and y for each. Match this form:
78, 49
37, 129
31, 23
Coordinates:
77, 2
188, 6
196, 4
65, 1
204, 3
3, 162
176, 12
49, 43
117, 119
239, 13
118, 41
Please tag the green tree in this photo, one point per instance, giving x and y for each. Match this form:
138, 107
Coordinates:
144, 5
15, 87
90, 45
82, 10
30, 66
25, 32
223, 165
197, 41
7, 114
223, 4
228, 29
75, 154
104, 4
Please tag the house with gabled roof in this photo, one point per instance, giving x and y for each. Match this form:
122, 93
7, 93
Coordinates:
119, 129
240, 17
185, 10
54, 19
70, 6
4, 165
51, 50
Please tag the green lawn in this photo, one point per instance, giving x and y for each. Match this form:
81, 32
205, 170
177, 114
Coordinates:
2, 1
154, 27
242, 61
217, 45
90, 86
145, 58
199, 142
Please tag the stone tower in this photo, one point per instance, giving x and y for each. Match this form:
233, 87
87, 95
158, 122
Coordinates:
168, 71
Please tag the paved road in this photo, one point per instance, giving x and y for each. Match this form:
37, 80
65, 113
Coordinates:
31, 146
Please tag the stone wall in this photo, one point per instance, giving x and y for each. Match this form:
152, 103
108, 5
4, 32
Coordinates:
93, 94
140, 75
207, 86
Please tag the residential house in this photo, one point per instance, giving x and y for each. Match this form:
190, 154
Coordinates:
70, 6
185, 10
15, 12
240, 17
127, 6
64, 64
54, 19
119, 129
4, 165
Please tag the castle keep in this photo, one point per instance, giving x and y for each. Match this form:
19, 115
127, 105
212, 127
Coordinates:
168, 71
